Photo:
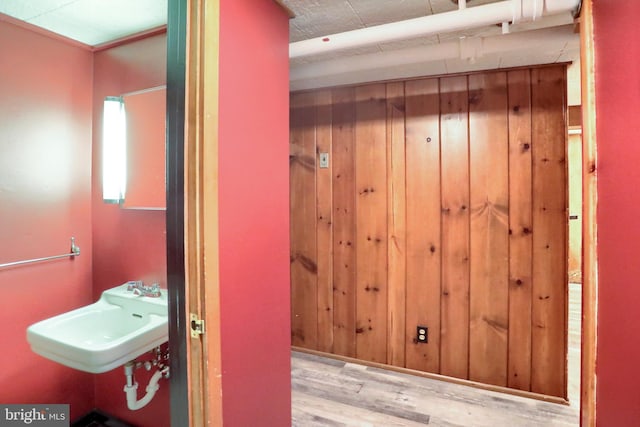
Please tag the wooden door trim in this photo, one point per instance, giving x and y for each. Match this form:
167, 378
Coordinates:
201, 210
589, 223
192, 195
176, 42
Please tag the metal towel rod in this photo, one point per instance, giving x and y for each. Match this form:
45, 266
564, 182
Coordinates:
75, 251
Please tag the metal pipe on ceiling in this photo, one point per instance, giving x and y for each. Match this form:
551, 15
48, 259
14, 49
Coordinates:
465, 48
513, 11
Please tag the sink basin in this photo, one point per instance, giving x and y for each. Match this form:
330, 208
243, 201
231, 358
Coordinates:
101, 336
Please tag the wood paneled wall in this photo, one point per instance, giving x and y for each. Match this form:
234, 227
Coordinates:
444, 205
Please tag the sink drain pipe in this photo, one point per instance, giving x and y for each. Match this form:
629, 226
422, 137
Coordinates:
131, 388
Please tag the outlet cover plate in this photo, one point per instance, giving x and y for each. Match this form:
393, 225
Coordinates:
422, 334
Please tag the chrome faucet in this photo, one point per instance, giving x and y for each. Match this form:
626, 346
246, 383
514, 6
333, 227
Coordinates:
138, 288
137, 284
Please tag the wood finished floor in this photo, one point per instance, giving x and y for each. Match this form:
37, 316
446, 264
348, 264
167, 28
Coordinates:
329, 392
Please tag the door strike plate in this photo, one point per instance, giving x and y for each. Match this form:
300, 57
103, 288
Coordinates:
197, 325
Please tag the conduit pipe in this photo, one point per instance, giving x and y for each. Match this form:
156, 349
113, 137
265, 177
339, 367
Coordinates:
513, 11
464, 48
131, 388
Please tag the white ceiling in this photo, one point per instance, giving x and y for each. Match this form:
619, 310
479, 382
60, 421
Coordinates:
92, 22
95, 22
547, 40
316, 18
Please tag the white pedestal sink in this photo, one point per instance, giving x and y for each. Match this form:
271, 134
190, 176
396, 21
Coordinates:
96, 338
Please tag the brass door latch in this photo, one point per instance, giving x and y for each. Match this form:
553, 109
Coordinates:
197, 326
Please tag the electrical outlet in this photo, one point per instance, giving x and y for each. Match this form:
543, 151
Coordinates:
422, 334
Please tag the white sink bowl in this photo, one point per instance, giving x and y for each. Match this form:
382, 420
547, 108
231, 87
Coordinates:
99, 337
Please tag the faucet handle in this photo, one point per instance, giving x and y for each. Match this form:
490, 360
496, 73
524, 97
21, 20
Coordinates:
134, 284
154, 291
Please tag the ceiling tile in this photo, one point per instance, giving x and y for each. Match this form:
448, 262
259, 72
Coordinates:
439, 6
377, 12
25, 10
336, 54
314, 18
97, 21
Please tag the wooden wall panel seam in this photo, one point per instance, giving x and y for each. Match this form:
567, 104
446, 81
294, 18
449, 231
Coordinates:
468, 235
488, 236
396, 220
549, 258
423, 213
342, 163
454, 104
371, 220
440, 232
304, 288
324, 223
519, 280
509, 139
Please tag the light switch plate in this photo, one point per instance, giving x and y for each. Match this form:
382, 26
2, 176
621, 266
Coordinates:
324, 160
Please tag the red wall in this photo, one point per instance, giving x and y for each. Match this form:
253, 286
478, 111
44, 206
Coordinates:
617, 71
254, 213
45, 198
127, 244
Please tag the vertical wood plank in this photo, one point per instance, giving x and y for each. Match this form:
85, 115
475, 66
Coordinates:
489, 231
423, 222
344, 225
371, 223
396, 223
549, 310
574, 166
324, 224
454, 353
589, 219
304, 270
520, 229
